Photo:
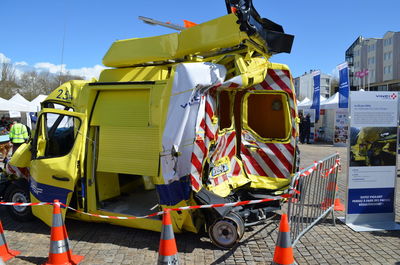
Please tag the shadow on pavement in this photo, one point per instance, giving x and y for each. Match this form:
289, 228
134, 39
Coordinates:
34, 260
392, 233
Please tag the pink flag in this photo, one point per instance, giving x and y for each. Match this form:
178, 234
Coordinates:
366, 72
361, 74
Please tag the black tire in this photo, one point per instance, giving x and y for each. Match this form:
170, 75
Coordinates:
227, 231
19, 193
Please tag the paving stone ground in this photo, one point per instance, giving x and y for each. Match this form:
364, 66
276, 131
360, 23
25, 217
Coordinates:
108, 244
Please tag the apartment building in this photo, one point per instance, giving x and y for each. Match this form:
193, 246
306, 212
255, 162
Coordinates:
304, 85
374, 63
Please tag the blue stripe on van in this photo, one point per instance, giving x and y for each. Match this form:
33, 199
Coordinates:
48, 193
175, 192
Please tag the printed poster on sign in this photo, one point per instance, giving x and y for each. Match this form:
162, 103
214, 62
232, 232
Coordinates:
372, 161
340, 136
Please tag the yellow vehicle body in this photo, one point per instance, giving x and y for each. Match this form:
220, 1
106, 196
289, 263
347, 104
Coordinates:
98, 140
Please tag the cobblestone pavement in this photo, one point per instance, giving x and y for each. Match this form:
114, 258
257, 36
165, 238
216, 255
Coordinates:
107, 244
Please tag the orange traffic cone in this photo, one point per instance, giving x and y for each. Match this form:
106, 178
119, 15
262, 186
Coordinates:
329, 195
283, 250
168, 253
5, 252
338, 206
60, 252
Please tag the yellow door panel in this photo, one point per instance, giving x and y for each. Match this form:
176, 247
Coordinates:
55, 167
129, 150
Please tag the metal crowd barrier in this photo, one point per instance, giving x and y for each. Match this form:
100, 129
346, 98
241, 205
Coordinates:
317, 187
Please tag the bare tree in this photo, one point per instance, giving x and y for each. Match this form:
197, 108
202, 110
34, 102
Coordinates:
334, 86
7, 80
34, 83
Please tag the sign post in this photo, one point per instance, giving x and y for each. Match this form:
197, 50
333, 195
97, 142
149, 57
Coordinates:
372, 173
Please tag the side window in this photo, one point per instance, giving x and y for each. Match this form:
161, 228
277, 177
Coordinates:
59, 132
268, 115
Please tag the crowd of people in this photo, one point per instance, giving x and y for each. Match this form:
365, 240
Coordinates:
12, 135
304, 127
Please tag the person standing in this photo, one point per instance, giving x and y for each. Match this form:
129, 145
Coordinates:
301, 127
307, 127
18, 135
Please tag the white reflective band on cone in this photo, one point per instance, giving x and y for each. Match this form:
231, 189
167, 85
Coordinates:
60, 246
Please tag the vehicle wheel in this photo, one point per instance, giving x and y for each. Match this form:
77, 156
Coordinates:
226, 232
15, 193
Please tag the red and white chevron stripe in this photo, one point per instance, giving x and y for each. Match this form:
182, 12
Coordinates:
225, 147
271, 159
206, 132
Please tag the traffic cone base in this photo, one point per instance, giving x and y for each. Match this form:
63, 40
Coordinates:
60, 252
61, 259
283, 256
5, 252
338, 205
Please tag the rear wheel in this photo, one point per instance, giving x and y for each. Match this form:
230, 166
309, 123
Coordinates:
16, 193
227, 231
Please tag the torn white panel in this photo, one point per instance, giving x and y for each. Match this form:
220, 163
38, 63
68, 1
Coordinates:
191, 80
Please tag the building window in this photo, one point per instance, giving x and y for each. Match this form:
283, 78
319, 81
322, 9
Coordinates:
371, 60
387, 42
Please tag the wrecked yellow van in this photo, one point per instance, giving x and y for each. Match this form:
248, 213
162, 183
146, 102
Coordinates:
196, 117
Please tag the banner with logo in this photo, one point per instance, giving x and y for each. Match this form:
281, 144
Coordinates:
344, 87
372, 161
316, 101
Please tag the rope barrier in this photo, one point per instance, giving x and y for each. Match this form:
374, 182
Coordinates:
288, 194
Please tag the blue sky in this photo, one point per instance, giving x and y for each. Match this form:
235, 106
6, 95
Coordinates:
32, 31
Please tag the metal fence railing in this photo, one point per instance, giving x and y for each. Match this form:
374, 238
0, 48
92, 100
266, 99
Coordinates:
317, 187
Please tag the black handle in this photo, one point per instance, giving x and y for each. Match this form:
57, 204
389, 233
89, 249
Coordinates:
60, 178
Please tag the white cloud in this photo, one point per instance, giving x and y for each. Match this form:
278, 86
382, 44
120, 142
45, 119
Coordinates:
4, 59
52, 68
88, 72
21, 63
21, 67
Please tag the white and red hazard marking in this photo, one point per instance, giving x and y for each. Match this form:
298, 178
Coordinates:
225, 148
206, 132
271, 159
20, 172
25, 203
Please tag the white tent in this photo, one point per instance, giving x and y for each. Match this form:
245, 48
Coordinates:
6, 105
17, 98
23, 104
332, 102
307, 104
36, 102
304, 101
